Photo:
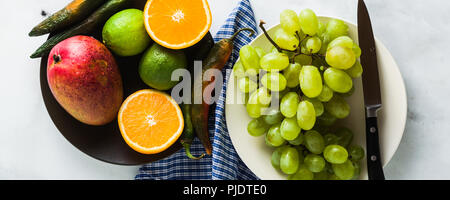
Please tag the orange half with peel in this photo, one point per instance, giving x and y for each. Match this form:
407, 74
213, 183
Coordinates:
150, 121
177, 24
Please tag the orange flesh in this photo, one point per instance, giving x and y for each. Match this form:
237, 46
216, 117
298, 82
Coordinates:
177, 23
150, 122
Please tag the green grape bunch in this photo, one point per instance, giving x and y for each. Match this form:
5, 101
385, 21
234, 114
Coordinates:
296, 93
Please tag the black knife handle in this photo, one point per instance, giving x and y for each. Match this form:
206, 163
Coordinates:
374, 166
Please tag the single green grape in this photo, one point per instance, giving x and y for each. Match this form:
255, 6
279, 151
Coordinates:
238, 69
289, 104
326, 119
298, 140
274, 62
276, 156
302, 173
314, 163
289, 160
336, 28
318, 106
246, 85
291, 74
289, 129
356, 153
343, 41
340, 57
274, 81
273, 117
273, 136
303, 59
335, 154
313, 44
314, 142
345, 136
338, 80
250, 59
310, 81
289, 21
333, 29
308, 22
355, 71
257, 127
306, 115
286, 40
254, 106
338, 107
344, 171
326, 94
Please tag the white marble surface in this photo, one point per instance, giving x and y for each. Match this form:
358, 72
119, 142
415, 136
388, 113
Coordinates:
415, 31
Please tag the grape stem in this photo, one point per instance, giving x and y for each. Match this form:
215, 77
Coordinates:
294, 56
300, 39
299, 47
318, 55
261, 25
297, 51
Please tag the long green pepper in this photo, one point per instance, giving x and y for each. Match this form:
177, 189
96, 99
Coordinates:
188, 132
100, 16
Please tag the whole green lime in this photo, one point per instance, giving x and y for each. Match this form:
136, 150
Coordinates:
157, 65
124, 33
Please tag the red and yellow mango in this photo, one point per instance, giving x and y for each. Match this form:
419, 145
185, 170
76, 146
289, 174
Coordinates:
85, 80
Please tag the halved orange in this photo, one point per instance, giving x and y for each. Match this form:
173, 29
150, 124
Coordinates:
177, 24
150, 121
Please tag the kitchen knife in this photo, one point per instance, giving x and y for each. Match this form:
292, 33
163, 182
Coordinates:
372, 93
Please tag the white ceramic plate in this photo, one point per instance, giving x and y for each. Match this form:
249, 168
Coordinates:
392, 117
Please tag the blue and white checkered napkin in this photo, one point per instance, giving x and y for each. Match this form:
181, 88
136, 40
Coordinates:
224, 163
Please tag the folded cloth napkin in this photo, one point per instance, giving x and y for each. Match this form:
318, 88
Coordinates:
224, 163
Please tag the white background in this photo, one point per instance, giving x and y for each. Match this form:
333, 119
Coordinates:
415, 31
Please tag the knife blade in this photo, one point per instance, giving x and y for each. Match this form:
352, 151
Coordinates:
372, 93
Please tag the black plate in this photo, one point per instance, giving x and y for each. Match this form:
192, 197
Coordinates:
104, 143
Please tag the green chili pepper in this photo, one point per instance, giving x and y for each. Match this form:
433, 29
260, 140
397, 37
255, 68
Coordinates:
188, 132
